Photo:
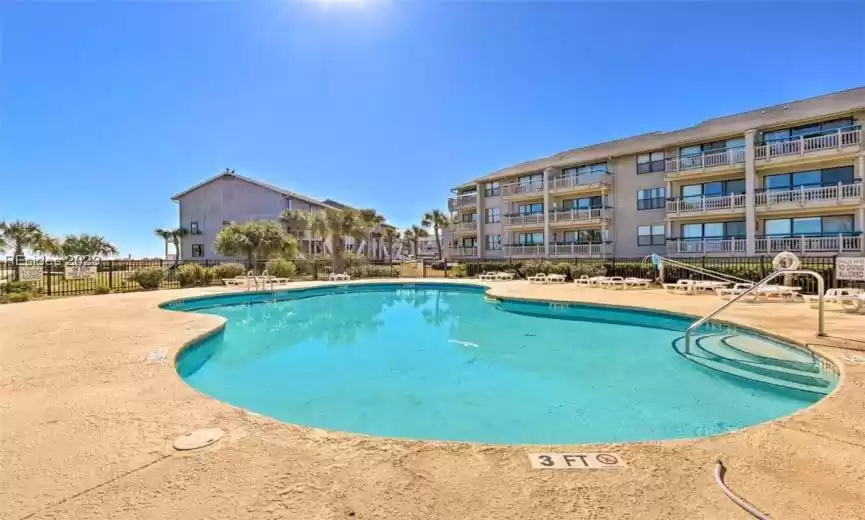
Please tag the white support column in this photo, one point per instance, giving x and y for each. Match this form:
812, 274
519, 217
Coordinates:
549, 173
750, 193
481, 237
861, 167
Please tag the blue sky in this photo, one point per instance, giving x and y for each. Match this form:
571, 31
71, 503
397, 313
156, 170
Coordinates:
107, 109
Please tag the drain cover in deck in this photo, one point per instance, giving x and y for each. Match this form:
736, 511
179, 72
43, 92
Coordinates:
198, 439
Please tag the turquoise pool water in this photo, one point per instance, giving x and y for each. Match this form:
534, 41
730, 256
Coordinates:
438, 362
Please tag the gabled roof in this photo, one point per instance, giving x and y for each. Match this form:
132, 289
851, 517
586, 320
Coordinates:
285, 193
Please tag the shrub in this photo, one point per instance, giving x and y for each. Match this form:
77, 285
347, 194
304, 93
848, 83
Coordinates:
208, 274
102, 289
188, 275
148, 278
229, 270
17, 297
281, 268
588, 270
561, 268
460, 270
20, 287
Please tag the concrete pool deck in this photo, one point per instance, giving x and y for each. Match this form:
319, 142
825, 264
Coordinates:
86, 432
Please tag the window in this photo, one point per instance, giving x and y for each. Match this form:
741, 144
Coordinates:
528, 179
596, 202
492, 216
653, 235
468, 217
650, 162
583, 236
530, 239
600, 167
713, 189
197, 250
226, 222
651, 198
809, 179
193, 228
469, 242
494, 242
492, 189
733, 229
808, 226
530, 209
809, 130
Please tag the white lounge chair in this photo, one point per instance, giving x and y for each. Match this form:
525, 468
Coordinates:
339, 277
709, 285
505, 276
637, 283
613, 282
596, 281
237, 281
831, 296
556, 278
489, 275
538, 278
680, 287
727, 292
852, 304
582, 280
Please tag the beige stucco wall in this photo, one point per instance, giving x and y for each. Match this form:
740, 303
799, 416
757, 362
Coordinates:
626, 184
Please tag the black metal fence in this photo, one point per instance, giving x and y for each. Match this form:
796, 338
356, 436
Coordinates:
121, 275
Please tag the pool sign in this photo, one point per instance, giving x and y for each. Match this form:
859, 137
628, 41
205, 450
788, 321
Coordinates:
576, 461
30, 273
79, 272
850, 268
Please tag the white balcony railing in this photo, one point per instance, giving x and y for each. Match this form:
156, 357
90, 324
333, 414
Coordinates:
465, 226
532, 251
579, 250
842, 138
576, 181
524, 220
820, 195
841, 243
578, 215
702, 246
462, 201
725, 157
706, 204
523, 188
463, 252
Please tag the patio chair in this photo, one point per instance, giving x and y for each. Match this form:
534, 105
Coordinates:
727, 293
538, 278
339, 277
680, 287
637, 283
556, 278
504, 276
613, 282
489, 275
237, 281
709, 285
831, 296
582, 280
596, 281
852, 304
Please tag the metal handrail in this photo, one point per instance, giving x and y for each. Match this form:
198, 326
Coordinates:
820, 324
699, 270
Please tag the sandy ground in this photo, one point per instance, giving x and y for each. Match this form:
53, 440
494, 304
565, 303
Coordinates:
86, 429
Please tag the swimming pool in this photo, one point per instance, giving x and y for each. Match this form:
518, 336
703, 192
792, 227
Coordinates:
437, 361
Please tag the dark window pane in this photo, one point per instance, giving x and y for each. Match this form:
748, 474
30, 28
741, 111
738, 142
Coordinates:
839, 224
735, 229
809, 178
735, 187
777, 182
805, 226
843, 175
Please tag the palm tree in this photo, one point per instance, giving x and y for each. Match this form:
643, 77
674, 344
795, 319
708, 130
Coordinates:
296, 222
165, 235
256, 240
177, 239
21, 235
87, 245
413, 236
370, 220
317, 226
341, 224
390, 236
438, 220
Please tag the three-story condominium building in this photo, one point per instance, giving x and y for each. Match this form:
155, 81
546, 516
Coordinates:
782, 178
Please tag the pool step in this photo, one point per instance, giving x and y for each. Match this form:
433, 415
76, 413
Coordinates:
768, 352
710, 351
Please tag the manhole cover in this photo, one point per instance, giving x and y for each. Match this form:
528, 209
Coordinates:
198, 439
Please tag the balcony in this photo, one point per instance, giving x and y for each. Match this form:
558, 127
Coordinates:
597, 250
528, 219
827, 143
815, 197
463, 252
707, 162
468, 200
827, 243
523, 190
701, 205
578, 216
523, 251
465, 227
577, 183
705, 246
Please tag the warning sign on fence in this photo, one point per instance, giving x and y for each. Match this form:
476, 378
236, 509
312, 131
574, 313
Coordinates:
30, 273
850, 268
79, 272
